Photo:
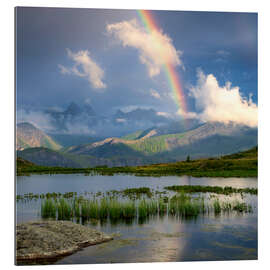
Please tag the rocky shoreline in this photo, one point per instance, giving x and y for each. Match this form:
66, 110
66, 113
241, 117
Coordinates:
51, 239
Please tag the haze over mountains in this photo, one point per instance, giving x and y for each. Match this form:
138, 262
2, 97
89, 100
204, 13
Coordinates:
83, 119
143, 137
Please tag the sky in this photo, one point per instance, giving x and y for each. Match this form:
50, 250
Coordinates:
108, 58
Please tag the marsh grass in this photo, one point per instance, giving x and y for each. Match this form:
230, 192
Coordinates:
217, 207
48, 209
211, 189
139, 193
185, 206
64, 209
115, 209
242, 207
162, 206
127, 210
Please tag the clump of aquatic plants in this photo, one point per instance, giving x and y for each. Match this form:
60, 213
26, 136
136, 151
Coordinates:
242, 207
64, 209
217, 207
111, 208
132, 193
48, 195
48, 209
211, 189
185, 206
137, 192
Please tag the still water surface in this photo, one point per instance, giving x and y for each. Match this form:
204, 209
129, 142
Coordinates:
224, 237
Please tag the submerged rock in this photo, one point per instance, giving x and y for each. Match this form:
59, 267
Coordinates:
51, 239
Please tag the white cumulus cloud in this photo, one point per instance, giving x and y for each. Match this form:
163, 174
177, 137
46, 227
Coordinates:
84, 66
155, 48
187, 115
164, 114
222, 103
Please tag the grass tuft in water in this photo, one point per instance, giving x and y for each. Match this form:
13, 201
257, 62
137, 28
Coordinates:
110, 208
48, 209
217, 207
64, 209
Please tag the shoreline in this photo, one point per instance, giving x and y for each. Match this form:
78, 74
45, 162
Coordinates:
242, 164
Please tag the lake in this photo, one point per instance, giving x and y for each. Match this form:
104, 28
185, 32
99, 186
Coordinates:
228, 236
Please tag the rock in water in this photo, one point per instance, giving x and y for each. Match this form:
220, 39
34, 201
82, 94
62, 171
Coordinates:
51, 239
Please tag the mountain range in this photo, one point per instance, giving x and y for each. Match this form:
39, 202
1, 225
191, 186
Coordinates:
30, 136
170, 142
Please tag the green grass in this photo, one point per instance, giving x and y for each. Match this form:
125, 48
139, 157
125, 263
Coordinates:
133, 136
129, 210
184, 206
64, 209
242, 207
154, 145
48, 209
181, 205
217, 207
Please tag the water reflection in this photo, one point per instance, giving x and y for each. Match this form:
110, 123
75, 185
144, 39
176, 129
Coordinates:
172, 240
81, 183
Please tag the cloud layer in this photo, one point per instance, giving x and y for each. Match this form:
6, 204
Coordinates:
155, 48
222, 103
37, 118
84, 66
154, 93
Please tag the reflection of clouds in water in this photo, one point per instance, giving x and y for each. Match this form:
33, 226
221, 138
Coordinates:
222, 182
168, 241
174, 240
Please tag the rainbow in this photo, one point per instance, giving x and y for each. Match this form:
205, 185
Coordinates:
173, 78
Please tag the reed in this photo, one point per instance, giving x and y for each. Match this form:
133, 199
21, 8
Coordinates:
241, 207
129, 210
48, 209
115, 210
103, 208
217, 207
142, 209
64, 209
85, 212
184, 206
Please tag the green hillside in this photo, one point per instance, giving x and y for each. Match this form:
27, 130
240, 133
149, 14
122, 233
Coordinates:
46, 157
243, 164
133, 136
154, 145
22, 163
